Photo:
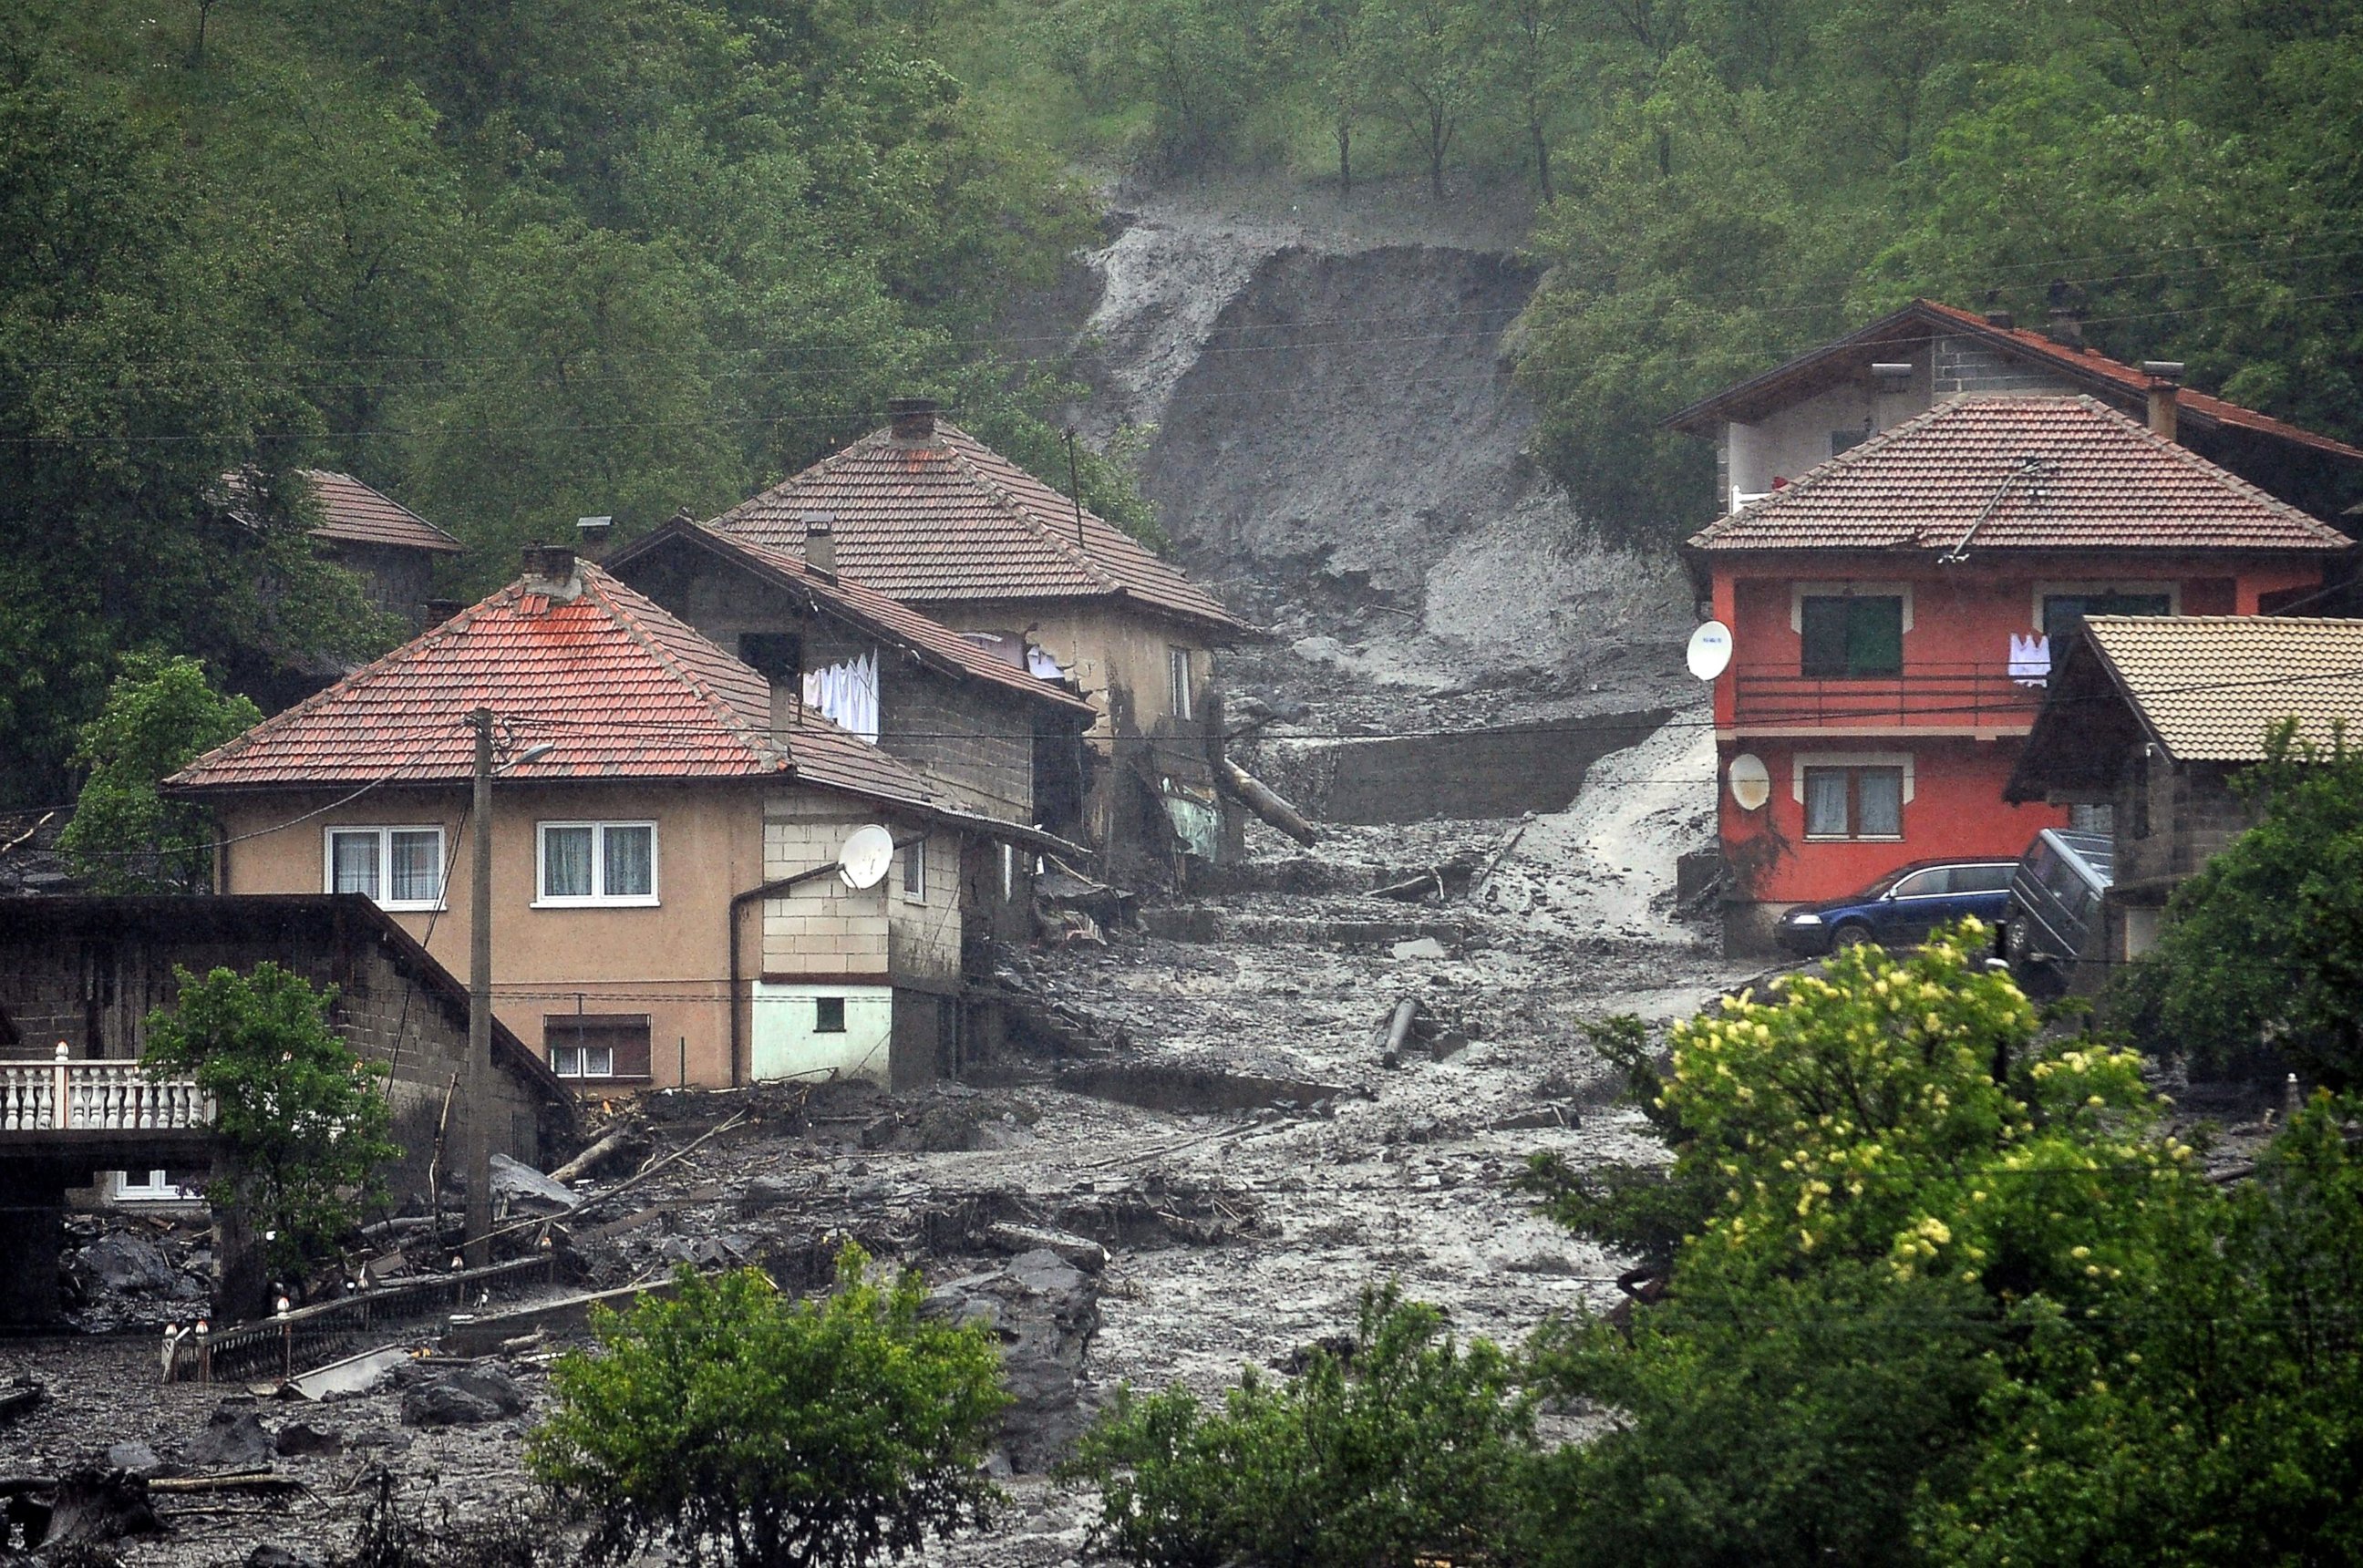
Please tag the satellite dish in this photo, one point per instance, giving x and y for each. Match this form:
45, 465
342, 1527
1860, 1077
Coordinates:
1752, 782
868, 853
1709, 651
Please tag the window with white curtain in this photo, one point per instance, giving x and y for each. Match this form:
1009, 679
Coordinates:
596, 862
396, 868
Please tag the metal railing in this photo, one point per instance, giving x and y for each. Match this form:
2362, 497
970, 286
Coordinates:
306, 1337
1970, 696
93, 1094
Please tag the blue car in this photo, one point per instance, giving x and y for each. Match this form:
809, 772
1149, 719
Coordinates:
1900, 908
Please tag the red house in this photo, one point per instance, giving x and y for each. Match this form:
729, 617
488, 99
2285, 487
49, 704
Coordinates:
1894, 615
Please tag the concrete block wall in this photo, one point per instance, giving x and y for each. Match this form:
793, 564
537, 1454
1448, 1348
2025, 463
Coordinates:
976, 745
924, 936
1961, 366
820, 927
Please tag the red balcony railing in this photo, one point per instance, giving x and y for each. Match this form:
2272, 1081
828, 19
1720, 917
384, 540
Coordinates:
1950, 695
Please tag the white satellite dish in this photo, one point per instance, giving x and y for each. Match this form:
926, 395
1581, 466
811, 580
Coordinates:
1751, 780
1710, 650
868, 853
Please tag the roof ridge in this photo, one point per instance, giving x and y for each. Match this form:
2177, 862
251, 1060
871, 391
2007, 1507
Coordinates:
628, 619
818, 469
1000, 493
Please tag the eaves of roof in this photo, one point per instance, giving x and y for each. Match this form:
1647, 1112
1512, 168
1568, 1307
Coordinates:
1749, 399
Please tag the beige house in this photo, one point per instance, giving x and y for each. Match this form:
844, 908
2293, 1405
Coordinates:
666, 820
927, 514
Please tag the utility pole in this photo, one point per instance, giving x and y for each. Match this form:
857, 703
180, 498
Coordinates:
480, 1002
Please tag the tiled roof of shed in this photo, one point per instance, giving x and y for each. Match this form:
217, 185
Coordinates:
2209, 687
2022, 471
866, 606
617, 686
355, 513
1915, 322
947, 518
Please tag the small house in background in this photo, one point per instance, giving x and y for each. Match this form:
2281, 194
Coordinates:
384, 543
2151, 719
925, 514
666, 904
1896, 612
1771, 430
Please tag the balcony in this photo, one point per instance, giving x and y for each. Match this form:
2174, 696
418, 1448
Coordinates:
1956, 697
62, 1095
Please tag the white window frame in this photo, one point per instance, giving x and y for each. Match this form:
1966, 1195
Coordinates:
153, 1186
1177, 675
385, 861
574, 1060
1800, 592
598, 897
1803, 760
914, 871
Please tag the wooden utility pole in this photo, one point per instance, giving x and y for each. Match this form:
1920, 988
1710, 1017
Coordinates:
480, 1003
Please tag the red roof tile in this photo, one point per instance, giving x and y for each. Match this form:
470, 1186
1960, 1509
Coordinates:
359, 515
864, 606
2025, 473
2112, 378
947, 519
617, 686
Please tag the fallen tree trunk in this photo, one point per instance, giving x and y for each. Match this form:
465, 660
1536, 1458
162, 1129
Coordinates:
92, 1508
1259, 798
622, 1144
1398, 1026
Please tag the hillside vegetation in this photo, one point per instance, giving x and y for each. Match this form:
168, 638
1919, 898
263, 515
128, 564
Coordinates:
520, 261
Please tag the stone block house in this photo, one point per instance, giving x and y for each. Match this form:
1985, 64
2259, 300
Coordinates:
924, 512
2154, 719
667, 820
389, 546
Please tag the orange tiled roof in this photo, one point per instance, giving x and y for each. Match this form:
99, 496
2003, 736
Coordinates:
945, 518
2019, 472
358, 515
866, 608
617, 686
2209, 688
1750, 399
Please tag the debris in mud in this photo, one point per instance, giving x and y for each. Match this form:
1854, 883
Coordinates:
233, 1439
1044, 1311
468, 1395
19, 1396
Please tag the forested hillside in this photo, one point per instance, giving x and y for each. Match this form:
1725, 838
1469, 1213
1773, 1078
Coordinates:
514, 263
520, 261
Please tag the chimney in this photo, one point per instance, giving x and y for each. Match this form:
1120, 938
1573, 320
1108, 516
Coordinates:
549, 569
2165, 395
779, 657
437, 611
2001, 318
912, 418
820, 542
591, 535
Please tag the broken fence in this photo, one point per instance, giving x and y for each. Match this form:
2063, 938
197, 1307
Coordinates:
305, 1337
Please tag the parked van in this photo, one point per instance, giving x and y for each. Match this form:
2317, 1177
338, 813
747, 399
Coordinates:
2055, 904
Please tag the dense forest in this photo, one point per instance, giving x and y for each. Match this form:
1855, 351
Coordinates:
520, 261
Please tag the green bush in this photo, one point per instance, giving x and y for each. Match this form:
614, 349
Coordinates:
745, 1429
161, 713
1407, 1449
304, 1117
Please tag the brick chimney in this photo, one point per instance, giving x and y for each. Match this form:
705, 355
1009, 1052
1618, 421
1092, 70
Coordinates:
2165, 395
820, 543
779, 657
2001, 318
912, 418
549, 569
2064, 304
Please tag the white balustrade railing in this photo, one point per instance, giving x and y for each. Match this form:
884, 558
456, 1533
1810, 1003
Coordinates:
62, 1093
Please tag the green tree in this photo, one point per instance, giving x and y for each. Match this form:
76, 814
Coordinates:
161, 713
2260, 958
1429, 60
1330, 52
745, 1429
304, 1118
1408, 1448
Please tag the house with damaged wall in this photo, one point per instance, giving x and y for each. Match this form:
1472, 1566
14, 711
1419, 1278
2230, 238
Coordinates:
2153, 720
924, 512
667, 822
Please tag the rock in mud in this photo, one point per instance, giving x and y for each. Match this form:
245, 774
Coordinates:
467, 1397
269, 1556
135, 1459
124, 1264
1044, 1310
303, 1438
233, 1440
